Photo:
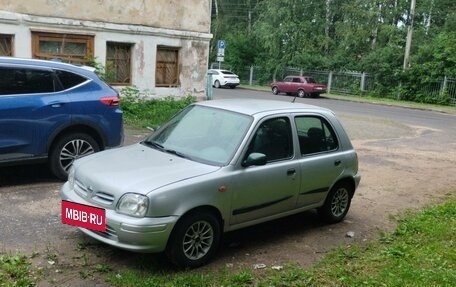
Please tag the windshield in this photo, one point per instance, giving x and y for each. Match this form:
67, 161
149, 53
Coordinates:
203, 134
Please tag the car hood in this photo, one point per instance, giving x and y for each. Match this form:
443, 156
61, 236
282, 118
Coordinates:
136, 168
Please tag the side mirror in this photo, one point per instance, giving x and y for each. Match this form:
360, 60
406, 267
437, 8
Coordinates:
255, 159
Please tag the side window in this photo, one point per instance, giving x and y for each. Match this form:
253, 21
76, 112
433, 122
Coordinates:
25, 81
273, 138
315, 135
288, 79
7, 81
296, 80
69, 80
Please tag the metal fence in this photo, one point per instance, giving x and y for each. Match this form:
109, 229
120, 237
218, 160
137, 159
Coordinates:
341, 82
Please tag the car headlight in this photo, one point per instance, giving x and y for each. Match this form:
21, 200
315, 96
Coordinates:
133, 204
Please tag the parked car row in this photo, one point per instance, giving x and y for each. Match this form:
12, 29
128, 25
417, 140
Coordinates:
301, 86
215, 167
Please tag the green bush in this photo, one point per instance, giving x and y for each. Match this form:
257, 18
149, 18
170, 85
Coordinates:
143, 112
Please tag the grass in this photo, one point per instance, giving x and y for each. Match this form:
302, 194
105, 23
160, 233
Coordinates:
15, 271
421, 252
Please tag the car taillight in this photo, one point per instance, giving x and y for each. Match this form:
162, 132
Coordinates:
113, 101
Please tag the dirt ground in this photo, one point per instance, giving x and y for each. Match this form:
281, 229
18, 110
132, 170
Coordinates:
403, 167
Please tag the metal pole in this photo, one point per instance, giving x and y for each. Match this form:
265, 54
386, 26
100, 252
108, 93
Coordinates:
330, 77
209, 91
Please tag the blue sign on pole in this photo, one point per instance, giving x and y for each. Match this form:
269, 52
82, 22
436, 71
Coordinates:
220, 50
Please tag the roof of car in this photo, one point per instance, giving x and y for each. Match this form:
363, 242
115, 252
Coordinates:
255, 106
55, 64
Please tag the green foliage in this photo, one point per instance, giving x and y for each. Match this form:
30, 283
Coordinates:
143, 112
356, 35
15, 271
106, 74
421, 252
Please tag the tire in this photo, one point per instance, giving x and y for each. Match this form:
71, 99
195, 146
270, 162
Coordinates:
232, 87
186, 247
337, 203
69, 148
301, 93
275, 90
217, 84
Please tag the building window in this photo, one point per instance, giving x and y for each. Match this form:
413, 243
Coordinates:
77, 49
167, 67
118, 63
6, 45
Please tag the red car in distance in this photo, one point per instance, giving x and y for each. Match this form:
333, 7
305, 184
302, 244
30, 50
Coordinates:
302, 86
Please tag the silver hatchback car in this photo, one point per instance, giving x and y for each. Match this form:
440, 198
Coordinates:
215, 167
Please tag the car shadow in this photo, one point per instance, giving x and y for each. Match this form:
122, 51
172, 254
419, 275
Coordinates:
235, 244
25, 174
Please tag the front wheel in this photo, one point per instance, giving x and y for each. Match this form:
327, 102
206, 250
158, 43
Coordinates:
69, 148
301, 93
337, 203
194, 240
275, 90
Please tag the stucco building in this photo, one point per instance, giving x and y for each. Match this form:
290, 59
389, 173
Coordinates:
161, 46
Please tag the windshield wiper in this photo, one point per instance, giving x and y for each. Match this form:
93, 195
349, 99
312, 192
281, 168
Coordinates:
160, 147
154, 144
179, 154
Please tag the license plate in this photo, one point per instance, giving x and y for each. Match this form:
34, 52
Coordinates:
85, 216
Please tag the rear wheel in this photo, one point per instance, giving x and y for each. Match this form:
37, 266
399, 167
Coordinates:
337, 203
301, 93
217, 84
195, 240
69, 148
275, 90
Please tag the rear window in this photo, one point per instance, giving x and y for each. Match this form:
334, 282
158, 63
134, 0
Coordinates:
311, 80
227, 73
69, 80
25, 81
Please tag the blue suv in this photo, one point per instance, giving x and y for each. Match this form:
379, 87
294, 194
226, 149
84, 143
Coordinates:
55, 112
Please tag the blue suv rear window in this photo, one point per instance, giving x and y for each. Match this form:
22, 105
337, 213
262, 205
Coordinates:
69, 80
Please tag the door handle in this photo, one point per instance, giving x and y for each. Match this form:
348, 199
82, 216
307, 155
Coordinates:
56, 104
291, 171
337, 162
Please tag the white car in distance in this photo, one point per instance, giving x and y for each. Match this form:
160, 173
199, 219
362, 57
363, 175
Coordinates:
224, 78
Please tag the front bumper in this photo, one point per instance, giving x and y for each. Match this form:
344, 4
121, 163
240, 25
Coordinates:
127, 232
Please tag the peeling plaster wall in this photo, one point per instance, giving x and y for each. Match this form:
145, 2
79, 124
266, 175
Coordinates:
181, 26
190, 15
